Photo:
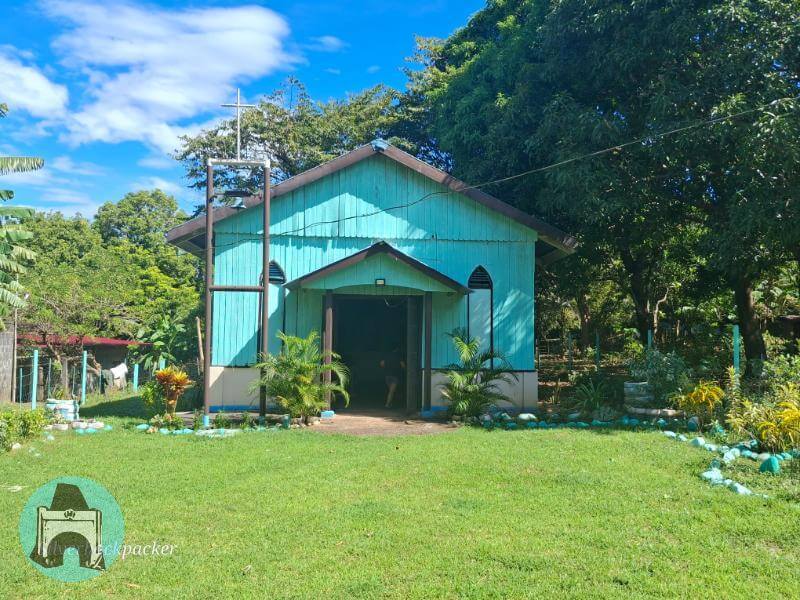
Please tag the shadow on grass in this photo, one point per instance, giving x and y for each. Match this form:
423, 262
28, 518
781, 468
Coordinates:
122, 406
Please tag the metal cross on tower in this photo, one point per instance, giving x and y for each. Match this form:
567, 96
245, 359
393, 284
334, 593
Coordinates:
238, 106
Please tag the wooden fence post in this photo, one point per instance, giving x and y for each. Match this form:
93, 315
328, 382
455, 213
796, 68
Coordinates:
136, 377
649, 339
736, 357
84, 360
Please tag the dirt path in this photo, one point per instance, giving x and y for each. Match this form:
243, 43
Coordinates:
381, 423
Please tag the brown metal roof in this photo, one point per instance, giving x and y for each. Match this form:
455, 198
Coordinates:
186, 234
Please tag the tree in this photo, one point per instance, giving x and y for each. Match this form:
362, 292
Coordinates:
531, 84
294, 132
14, 255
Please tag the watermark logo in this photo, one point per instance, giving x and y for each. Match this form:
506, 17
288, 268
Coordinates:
72, 529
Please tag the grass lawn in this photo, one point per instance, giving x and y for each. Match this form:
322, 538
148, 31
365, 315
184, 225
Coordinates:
462, 514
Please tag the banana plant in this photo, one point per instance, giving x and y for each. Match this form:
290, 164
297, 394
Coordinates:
13, 254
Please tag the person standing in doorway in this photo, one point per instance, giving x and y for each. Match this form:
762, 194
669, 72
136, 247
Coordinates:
392, 366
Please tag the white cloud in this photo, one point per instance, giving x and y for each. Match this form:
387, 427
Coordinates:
333, 71
327, 43
155, 161
373, 69
66, 165
25, 87
151, 183
150, 70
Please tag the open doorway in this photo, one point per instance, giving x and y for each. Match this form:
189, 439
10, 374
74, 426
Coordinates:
366, 331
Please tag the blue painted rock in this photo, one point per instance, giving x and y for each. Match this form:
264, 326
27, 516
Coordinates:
764, 456
682, 438
633, 422
525, 417
511, 425
143, 427
698, 441
693, 424
670, 434
581, 425
715, 463
661, 423
531, 425
574, 416
728, 457
771, 465
108, 428
713, 476
164, 431
625, 420
739, 489
711, 447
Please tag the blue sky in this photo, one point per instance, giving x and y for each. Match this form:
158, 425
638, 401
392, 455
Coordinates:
101, 90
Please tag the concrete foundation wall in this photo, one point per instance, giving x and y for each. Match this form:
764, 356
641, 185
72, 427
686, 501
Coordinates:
230, 389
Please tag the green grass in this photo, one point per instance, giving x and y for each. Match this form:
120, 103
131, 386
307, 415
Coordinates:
463, 514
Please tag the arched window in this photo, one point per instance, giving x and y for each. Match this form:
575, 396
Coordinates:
277, 303
276, 274
480, 310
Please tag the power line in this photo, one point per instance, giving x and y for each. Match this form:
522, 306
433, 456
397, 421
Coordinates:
617, 147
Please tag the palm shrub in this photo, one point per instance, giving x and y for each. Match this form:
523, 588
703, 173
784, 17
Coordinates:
474, 383
295, 377
774, 422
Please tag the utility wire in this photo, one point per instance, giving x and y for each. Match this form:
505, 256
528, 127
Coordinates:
617, 147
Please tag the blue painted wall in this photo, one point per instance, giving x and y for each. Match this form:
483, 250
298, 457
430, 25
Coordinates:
350, 210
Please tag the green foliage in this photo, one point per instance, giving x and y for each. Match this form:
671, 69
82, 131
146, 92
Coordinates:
152, 395
20, 425
666, 373
474, 383
703, 401
295, 131
534, 84
197, 420
167, 421
221, 420
82, 285
248, 422
295, 377
783, 369
14, 253
164, 341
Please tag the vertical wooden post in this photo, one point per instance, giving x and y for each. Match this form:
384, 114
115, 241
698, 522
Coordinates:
209, 283
426, 376
262, 405
136, 377
649, 339
19, 387
84, 360
327, 343
736, 357
34, 379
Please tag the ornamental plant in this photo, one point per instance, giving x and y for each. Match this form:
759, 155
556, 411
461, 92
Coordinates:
473, 384
666, 373
702, 402
174, 383
296, 376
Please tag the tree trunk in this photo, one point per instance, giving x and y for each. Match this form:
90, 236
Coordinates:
639, 295
585, 318
754, 347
